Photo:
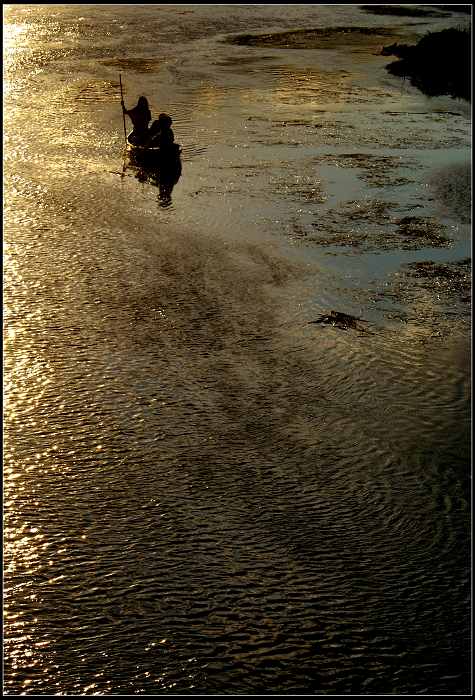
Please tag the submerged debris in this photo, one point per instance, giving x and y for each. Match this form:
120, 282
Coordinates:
340, 320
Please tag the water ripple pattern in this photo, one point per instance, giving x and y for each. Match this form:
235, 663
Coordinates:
204, 492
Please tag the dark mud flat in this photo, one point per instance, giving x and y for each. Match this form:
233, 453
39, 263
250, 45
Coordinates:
321, 38
408, 11
463, 9
404, 11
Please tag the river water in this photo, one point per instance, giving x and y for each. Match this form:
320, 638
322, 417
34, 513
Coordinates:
206, 493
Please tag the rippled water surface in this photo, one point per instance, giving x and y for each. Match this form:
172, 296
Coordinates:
205, 493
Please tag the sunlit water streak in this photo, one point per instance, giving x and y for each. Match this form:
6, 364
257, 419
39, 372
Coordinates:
205, 493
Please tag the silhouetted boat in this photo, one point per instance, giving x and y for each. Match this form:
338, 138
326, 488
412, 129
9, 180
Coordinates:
152, 156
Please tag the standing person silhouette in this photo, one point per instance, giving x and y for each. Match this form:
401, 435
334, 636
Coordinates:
140, 116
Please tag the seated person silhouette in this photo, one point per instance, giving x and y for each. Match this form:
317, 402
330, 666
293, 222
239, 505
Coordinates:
161, 134
140, 116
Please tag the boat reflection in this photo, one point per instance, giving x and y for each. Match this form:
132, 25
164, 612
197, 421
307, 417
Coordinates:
163, 170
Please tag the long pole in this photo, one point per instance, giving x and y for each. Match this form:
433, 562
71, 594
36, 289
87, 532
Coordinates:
123, 115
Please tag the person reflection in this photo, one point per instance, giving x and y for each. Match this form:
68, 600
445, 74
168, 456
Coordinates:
166, 177
164, 173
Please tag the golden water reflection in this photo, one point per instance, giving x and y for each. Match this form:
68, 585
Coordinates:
164, 427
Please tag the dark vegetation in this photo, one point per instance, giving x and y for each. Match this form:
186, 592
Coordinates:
440, 64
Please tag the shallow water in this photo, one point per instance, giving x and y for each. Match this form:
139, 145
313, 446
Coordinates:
205, 493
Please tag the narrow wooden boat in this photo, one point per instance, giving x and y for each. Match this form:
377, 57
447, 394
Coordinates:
152, 156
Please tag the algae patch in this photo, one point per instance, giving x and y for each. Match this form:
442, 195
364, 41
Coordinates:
375, 170
429, 289
369, 226
426, 229
450, 279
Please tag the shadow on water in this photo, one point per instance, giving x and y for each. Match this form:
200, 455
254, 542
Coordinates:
162, 171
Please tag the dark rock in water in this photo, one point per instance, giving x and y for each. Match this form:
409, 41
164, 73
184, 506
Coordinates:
439, 64
340, 320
